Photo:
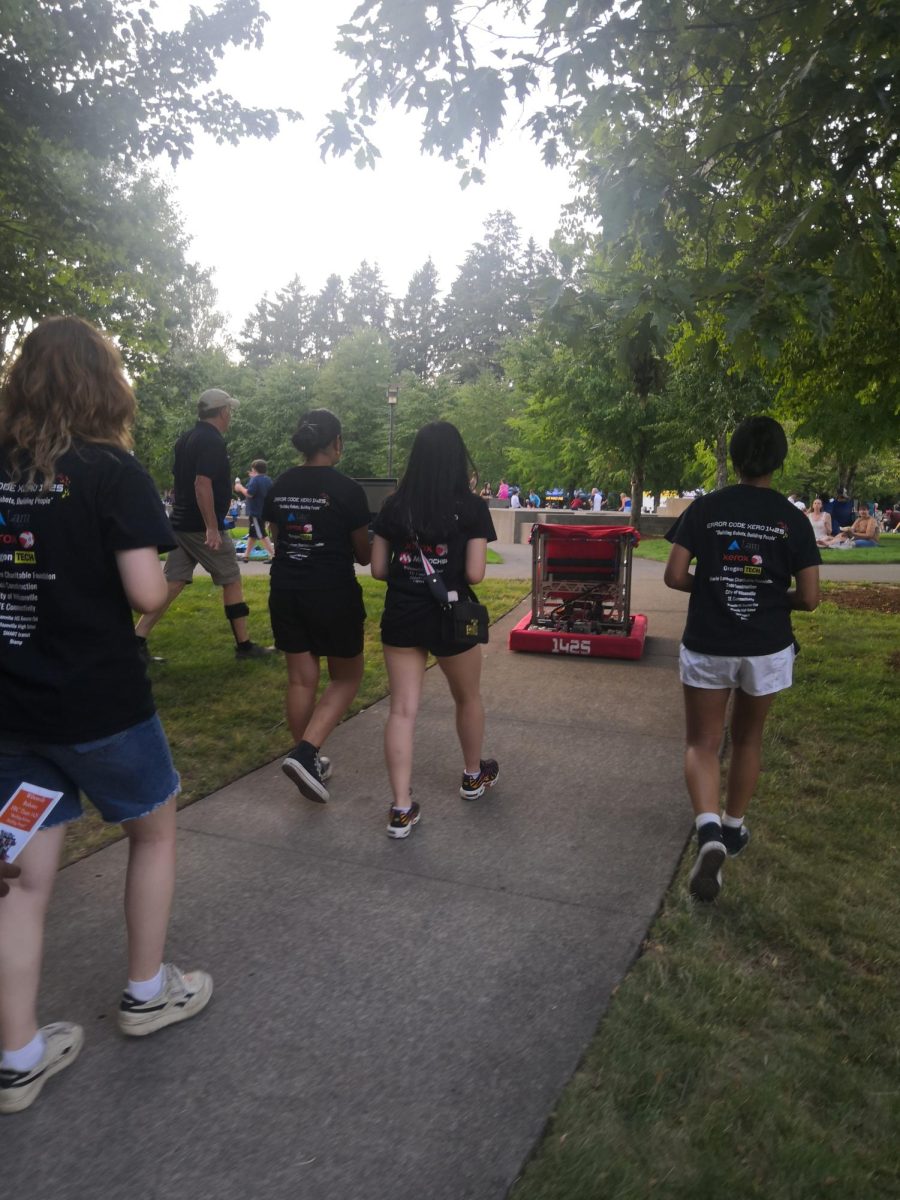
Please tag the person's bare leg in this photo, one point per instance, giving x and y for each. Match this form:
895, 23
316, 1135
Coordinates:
704, 713
22, 915
233, 593
463, 674
149, 887
344, 677
747, 723
300, 699
406, 672
148, 620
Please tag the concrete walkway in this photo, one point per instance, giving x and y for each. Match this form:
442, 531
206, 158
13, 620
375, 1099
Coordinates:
392, 1020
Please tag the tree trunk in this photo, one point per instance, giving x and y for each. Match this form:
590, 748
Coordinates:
721, 459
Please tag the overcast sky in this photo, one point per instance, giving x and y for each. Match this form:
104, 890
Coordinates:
262, 212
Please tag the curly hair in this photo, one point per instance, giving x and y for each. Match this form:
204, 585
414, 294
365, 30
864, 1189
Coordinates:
65, 386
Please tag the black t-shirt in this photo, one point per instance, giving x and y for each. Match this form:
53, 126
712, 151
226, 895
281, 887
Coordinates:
748, 542
408, 594
69, 665
200, 451
316, 509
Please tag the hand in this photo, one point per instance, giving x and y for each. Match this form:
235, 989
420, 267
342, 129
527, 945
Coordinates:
213, 538
7, 871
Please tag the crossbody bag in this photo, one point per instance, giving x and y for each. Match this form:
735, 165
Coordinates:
463, 622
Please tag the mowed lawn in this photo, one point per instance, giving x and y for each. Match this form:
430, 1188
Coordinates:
224, 718
754, 1048
887, 551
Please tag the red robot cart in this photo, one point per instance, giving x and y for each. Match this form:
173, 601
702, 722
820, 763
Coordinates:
581, 593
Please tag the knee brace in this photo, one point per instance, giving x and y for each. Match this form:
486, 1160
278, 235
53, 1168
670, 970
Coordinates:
234, 611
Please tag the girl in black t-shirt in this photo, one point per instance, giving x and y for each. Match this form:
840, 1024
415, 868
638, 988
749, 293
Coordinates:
83, 525
748, 542
320, 524
433, 514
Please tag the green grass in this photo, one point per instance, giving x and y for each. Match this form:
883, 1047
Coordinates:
493, 556
888, 551
224, 718
753, 1049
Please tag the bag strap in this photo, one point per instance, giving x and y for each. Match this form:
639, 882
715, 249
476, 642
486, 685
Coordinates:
436, 585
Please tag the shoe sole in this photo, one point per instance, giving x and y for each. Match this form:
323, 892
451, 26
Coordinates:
706, 877
474, 795
19, 1100
406, 830
309, 786
140, 1025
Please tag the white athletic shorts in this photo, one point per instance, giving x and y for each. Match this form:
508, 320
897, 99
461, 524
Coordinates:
757, 675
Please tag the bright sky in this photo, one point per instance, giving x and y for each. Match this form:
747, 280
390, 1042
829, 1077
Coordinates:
262, 212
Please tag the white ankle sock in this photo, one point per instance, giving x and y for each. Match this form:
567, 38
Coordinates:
146, 989
707, 819
732, 822
25, 1058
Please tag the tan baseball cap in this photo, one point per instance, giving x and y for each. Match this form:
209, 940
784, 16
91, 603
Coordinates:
214, 398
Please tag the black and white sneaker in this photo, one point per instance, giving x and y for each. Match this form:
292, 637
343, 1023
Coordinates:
20, 1089
706, 875
304, 767
473, 786
325, 768
735, 839
246, 650
402, 820
182, 997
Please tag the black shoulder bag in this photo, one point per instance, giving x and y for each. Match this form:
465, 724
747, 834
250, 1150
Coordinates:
463, 622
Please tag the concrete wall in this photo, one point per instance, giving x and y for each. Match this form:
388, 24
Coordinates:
515, 526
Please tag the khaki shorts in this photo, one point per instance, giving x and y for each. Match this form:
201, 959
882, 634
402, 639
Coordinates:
222, 564
757, 675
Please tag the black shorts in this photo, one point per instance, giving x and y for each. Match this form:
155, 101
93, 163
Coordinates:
256, 529
327, 622
421, 629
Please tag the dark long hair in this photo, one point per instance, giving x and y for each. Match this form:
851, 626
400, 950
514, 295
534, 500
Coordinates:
435, 484
66, 385
758, 447
316, 430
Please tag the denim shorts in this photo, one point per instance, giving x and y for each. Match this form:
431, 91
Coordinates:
757, 675
125, 775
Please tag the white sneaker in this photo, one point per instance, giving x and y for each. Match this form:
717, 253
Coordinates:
20, 1089
182, 997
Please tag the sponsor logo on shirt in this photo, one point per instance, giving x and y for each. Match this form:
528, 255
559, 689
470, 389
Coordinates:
25, 556
26, 539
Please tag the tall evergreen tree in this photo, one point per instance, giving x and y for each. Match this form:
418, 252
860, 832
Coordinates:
487, 302
328, 319
417, 324
367, 298
279, 328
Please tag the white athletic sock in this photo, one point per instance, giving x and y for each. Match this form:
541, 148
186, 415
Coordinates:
732, 822
147, 989
707, 819
25, 1058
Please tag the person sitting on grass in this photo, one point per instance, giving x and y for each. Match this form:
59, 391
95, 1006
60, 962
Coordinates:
863, 532
748, 542
820, 521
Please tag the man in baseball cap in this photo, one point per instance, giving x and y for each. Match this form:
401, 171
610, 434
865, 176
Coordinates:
203, 494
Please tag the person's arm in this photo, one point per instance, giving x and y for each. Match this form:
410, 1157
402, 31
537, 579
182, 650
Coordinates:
239, 487
380, 556
677, 575
203, 490
142, 578
829, 528
805, 596
362, 549
476, 559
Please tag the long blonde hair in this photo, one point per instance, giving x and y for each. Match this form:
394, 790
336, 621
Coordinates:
65, 386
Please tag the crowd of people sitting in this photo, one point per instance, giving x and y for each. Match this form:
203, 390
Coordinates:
841, 524
574, 499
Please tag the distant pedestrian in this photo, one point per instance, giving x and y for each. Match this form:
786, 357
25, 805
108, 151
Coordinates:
748, 541
596, 500
320, 521
76, 709
203, 493
258, 487
433, 515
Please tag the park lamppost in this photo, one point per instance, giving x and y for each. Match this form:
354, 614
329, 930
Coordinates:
392, 404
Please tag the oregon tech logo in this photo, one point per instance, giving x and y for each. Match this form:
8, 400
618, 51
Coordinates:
25, 556
26, 539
